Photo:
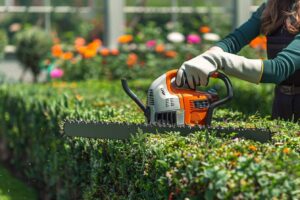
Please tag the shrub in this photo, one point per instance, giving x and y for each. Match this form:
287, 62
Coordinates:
32, 46
149, 166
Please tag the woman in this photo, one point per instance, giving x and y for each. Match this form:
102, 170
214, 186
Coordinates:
280, 21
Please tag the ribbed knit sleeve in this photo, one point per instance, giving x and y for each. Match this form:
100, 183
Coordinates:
284, 65
243, 35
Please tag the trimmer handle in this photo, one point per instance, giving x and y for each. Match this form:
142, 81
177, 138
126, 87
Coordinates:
229, 95
133, 96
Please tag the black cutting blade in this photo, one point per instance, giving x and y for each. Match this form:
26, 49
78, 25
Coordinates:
121, 131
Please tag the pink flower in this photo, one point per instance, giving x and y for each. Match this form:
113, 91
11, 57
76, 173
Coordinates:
57, 73
193, 39
151, 43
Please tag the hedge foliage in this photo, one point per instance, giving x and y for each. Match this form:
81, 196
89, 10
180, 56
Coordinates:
149, 166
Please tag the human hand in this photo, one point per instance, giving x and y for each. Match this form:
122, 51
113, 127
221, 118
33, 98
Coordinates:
196, 71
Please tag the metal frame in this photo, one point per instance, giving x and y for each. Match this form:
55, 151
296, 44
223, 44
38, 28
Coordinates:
126, 9
44, 9
241, 12
114, 22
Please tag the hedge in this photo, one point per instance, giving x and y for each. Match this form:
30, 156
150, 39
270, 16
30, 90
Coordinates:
148, 166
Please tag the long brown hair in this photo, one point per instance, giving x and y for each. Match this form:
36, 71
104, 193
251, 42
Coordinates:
281, 12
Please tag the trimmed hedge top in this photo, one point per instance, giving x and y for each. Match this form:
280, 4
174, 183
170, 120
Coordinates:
149, 166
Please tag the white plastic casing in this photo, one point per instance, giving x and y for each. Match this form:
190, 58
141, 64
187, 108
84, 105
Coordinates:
160, 100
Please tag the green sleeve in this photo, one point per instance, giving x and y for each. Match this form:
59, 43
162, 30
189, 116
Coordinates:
243, 35
284, 65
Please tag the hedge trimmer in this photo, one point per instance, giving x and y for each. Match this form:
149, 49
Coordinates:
169, 109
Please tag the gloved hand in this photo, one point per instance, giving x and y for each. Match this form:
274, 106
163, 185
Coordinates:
195, 71
198, 70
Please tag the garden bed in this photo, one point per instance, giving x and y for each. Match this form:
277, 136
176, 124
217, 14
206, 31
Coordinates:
148, 166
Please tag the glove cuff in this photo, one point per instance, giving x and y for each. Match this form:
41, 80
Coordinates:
246, 69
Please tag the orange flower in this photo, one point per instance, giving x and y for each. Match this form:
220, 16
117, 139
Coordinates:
171, 54
104, 52
252, 148
114, 52
286, 150
81, 50
90, 50
259, 42
79, 42
255, 43
131, 59
237, 154
160, 48
56, 50
125, 39
67, 55
90, 53
204, 29
95, 44
79, 97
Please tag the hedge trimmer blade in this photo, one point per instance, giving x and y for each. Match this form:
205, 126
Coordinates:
120, 131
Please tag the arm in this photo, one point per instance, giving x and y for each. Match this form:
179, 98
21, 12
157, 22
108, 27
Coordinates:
243, 35
198, 69
275, 70
284, 65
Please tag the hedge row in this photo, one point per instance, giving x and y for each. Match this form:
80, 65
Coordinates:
148, 166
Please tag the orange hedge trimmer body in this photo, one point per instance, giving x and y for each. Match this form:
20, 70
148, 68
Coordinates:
169, 104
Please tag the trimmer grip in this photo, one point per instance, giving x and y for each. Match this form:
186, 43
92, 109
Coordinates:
228, 85
229, 95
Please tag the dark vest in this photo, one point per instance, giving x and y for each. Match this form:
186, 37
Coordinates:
276, 42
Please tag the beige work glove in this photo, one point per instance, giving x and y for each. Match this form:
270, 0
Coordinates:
197, 71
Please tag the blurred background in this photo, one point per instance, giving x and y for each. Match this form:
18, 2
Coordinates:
42, 40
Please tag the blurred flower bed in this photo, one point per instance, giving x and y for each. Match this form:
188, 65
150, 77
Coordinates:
142, 54
138, 54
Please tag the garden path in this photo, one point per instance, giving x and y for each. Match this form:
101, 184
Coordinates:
11, 69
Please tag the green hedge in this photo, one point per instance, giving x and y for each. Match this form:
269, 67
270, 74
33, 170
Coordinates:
148, 166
